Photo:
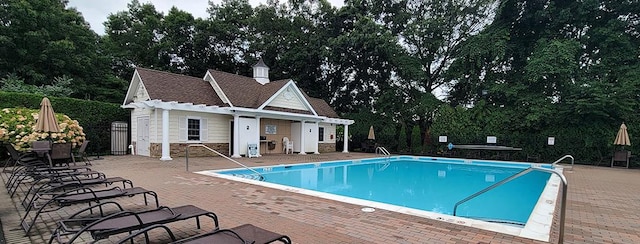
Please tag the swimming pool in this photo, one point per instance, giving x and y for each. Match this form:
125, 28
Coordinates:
428, 186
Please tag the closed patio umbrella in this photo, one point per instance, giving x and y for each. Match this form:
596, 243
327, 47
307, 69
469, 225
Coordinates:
623, 137
47, 121
372, 135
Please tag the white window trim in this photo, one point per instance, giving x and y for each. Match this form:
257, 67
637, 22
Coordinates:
203, 130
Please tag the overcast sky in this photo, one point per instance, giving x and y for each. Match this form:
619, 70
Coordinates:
96, 12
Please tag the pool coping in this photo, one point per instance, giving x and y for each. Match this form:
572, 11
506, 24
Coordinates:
538, 226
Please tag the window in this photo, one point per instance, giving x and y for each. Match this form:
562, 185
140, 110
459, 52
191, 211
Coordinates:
193, 129
320, 133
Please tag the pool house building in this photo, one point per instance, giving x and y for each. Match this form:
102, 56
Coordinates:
233, 114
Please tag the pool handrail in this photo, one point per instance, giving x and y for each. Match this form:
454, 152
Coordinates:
521, 173
383, 151
563, 157
221, 155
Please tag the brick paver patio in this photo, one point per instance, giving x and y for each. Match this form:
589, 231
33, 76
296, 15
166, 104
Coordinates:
603, 206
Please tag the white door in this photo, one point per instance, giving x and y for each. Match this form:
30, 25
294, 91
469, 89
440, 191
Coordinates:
310, 137
248, 134
142, 142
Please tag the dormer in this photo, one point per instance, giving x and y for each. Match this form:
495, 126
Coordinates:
261, 72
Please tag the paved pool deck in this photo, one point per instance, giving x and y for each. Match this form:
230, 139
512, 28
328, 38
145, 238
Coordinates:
603, 206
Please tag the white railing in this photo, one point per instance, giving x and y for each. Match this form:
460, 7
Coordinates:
221, 155
562, 158
383, 151
521, 173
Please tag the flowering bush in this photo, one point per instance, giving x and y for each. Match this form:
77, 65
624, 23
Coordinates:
17, 126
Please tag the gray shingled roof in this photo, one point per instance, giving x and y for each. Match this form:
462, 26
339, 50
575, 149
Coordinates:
322, 108
169, 87
242, 91
260, 64
245, 91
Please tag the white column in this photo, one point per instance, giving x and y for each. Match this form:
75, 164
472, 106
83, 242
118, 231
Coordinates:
302, 142
166, 149
235, 149
318, 141
258, 136
345, 149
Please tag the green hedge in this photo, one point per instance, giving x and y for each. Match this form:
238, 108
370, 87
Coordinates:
589, 142
95, 117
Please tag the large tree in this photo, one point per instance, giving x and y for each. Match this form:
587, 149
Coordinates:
41, 40
292, 39
228, 36
549, 62
134, 38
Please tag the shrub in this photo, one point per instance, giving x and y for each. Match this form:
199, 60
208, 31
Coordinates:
94, 116
17, 126
402, 140
416, 142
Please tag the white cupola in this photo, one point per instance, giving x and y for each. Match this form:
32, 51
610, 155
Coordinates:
261, 72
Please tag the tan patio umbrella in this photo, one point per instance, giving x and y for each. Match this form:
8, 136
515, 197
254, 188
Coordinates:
47, 121
372, 135
623, 137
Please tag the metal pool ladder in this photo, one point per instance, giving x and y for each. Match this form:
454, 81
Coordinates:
260, 177
521, 173
383, 151
563, 157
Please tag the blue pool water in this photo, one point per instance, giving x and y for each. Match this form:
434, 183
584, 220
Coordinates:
431, 184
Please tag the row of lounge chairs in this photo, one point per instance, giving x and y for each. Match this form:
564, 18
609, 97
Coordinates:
46, 188
246, 233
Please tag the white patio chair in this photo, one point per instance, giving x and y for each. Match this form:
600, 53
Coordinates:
287, 146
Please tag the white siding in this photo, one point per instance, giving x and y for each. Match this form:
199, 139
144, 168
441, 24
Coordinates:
329, 132
155, 126
288, 99
141, 93
217, 126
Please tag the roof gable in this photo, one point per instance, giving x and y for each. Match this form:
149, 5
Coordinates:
280, 95
134, 86
289, 96
165, 86
242, 91
216, 87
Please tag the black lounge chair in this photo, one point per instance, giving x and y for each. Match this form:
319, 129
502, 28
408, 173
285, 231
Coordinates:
29, 164
17, 160
16, 156
127, 221
32, 174
78, 196
82, 154
56, 186
246, 233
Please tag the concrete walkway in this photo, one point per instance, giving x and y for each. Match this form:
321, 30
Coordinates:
603, 206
